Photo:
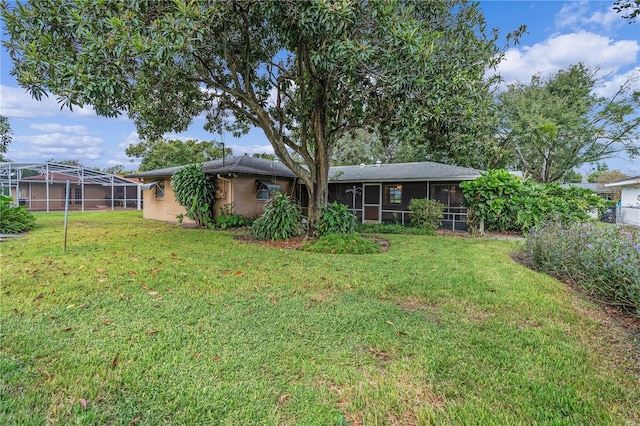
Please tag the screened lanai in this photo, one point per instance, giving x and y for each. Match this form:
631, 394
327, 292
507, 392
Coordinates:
43, 187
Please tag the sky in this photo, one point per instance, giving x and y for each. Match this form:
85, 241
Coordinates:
559, 34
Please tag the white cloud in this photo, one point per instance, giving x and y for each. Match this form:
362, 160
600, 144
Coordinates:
579, 14
131, 139
59, 140
17, 103
611, 86
251, 149
55, 127
560, 51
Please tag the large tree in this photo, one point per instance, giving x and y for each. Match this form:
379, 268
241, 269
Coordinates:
305, 72
555, 124
158, 154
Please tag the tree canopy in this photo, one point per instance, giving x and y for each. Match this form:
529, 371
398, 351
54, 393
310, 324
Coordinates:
5, 135
159, 154
306, 73
555, 124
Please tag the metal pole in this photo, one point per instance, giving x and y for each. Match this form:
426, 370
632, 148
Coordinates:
66, 215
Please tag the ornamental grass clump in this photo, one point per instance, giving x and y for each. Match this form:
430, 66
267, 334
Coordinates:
604, 260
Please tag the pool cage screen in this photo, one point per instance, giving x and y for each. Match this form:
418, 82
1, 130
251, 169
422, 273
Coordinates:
43, 186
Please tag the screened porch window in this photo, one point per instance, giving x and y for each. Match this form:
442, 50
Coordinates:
392, 194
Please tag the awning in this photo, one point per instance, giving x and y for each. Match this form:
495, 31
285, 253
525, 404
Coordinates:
149, 185
269, 185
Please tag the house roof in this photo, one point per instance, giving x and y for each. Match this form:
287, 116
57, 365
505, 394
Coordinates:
425, 170
626, 182
242, 164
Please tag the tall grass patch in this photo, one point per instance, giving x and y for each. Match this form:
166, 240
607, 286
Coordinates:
604, 260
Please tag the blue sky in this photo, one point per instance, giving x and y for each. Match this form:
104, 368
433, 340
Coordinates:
560, 33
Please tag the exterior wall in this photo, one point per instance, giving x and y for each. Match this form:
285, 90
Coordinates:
244, 192
164, 209
239, 191
630, 197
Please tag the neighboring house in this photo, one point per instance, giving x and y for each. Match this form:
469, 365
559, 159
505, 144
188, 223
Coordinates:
382, 192
243, 182
42, 187
376, 193
628, 211
599, 188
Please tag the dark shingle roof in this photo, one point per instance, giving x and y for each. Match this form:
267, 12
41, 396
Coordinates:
426, 170
241, 165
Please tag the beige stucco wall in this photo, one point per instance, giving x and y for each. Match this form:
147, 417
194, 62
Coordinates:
165, 209
244, 195
241, 191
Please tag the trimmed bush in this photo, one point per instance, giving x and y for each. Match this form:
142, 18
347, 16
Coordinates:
426, 214
343, 244
14, 219
604, 260
280, 221
336, 218
196, 192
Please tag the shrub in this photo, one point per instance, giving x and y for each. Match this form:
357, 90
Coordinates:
226, 218
14, 219
426, 214
390, 228
196, 192
280, 221
343, 244
336, 218
491, 198
505, 203
604, 260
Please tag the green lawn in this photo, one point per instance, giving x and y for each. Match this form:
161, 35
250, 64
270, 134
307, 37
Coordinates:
146, 323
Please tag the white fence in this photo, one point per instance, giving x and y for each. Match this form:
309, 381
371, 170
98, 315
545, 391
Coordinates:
628, 215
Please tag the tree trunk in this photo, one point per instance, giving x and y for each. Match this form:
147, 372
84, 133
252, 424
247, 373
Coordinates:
318, 192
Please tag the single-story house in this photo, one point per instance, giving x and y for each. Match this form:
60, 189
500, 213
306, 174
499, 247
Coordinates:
628, 211
377, 193
243, 182
42, 187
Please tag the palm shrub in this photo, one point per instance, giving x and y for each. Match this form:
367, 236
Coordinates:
280, 221
196, 192
335, 218
14, 219
426, 214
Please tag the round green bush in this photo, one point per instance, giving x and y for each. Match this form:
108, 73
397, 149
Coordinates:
343, 244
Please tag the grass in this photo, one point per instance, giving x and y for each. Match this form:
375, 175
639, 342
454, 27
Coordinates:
145, 323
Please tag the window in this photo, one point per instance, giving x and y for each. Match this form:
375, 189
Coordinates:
263, 194
159, 190
77, 195
264, 188
392, 194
